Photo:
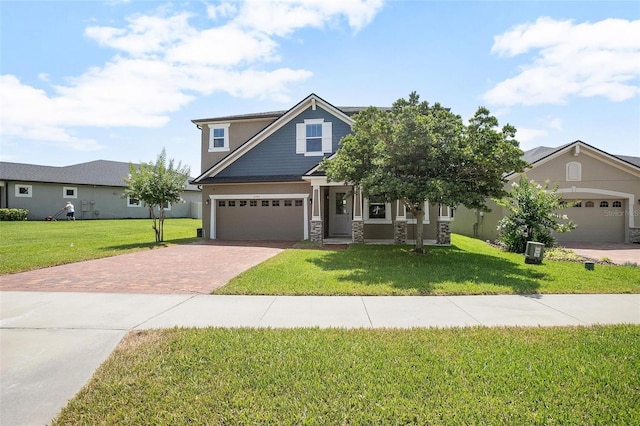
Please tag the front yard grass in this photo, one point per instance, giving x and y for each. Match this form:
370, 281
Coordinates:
30, 245
506, 376
469, 266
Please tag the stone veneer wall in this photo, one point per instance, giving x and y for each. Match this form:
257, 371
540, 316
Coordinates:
400, 232
316, 233
634, 235
357, 231
444, 233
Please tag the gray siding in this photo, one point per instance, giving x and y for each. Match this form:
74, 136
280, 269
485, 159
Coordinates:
92, 202
276, 155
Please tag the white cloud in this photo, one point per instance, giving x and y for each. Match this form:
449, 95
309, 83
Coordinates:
583, 60
526, 135
554, 123
162, 61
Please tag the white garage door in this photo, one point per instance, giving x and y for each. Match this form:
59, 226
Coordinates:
261, 219
597, 220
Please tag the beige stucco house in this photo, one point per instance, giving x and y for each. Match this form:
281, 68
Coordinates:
607, 186
261, 181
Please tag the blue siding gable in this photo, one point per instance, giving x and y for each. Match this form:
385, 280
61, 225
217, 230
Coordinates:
276, 155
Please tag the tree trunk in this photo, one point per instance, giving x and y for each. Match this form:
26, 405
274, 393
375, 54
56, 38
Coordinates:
419, 215
161, 225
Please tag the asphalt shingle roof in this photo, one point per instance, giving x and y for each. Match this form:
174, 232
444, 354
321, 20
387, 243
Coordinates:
99, 173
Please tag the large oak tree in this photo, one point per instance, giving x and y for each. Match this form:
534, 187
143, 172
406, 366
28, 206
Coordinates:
416, 152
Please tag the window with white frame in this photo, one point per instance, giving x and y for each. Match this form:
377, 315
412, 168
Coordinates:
377, 210
24, 191
425, 208
313, 137
133, 202
69, 192
574, 171
218, 137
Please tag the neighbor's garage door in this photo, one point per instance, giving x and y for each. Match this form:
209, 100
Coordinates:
276, 220
597, 220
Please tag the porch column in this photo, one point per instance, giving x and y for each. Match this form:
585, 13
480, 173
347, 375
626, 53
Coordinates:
443, 230
316, 230
400, 224
357, 224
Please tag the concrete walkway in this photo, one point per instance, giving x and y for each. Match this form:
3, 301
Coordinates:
51, 343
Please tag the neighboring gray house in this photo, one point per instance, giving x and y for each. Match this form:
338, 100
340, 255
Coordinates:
96, 189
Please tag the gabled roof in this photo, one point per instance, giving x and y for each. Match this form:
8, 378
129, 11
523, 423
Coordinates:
542, 154
312, 100
99, 173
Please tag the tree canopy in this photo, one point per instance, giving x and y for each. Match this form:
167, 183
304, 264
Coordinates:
157, 185
416, 152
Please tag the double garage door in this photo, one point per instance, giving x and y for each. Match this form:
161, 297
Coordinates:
259, 219
597, 220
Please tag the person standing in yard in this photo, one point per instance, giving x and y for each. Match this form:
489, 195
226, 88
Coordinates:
71, 212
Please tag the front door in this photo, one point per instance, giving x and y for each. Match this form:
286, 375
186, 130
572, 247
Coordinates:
339, 211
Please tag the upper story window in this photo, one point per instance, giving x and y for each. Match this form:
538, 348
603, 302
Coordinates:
313, 137
218, 137
574, 171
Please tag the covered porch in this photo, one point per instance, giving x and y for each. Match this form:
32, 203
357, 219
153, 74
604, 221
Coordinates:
340, 214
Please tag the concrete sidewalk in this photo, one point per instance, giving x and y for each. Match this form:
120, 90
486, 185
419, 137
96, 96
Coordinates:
51, 343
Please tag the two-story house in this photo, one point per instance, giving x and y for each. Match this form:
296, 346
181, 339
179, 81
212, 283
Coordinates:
261, 181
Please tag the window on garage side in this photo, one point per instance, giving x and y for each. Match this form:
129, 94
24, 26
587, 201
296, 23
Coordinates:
222, 203
578, 204
617, 204
288, 203
253, 203
298, 203
24, 191
604, 204
275, 203
232, 203
69, 192
589, 204
243, 203
265, 203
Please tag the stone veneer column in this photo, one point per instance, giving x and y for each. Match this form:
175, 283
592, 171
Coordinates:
400, 232
634, 235
444, 233
316, 233
357, 231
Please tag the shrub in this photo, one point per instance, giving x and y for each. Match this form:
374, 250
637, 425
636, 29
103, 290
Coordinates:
13, 214
532, 215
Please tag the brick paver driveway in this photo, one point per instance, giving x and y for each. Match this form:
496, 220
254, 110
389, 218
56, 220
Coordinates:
618, 253
196, 268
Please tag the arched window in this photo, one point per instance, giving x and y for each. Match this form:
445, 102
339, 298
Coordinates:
604, 204
574, 171
589, 204
617, 204
578, 204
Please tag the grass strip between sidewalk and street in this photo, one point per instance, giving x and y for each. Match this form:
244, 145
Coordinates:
468, 266
556, 375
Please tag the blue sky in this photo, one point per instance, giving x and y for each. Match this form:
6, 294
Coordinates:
120, 80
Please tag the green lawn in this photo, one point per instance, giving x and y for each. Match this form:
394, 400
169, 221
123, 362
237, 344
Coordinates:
493, 376
469, 266
37, 244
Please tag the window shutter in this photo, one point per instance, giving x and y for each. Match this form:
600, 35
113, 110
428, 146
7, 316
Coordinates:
301, 138
326, 137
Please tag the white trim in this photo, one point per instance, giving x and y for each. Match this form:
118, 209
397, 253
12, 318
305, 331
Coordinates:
66, 188
272, 128
214, 202
569, 167
223, 126
626, 195
29, 193
387, 213
130, 204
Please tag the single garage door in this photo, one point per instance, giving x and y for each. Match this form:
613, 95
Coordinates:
263, 219
597, 220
